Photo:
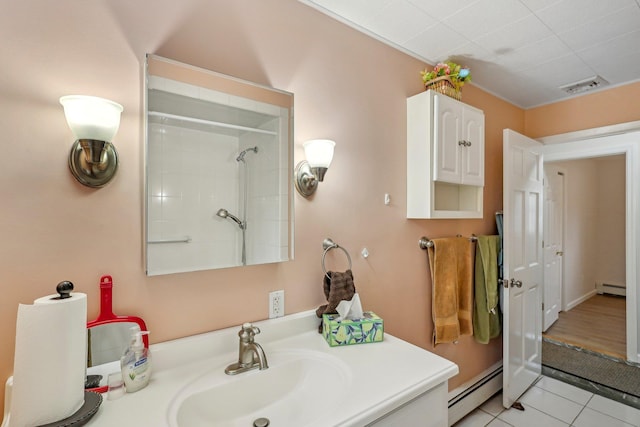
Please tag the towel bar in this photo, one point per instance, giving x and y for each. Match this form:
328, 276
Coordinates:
186, 239
425, 243
329, 244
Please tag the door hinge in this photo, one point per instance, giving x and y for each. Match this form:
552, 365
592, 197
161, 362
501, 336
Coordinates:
542, 306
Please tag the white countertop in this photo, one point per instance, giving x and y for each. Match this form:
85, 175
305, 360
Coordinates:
388, 374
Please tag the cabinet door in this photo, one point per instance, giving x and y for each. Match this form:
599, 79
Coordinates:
426, 410
447, 133
473, 150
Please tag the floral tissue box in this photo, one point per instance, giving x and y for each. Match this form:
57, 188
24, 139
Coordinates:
347, 332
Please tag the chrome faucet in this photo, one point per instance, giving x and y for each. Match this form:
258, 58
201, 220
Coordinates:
250, 353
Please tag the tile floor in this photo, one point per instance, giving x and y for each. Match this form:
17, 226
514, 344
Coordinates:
552, 403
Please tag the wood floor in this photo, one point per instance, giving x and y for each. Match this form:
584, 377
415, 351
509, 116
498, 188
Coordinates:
598, 324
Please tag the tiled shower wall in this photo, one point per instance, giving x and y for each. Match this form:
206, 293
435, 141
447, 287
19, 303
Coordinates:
268, 202
192, 174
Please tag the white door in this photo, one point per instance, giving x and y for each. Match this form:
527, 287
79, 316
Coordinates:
522, 302
553, 244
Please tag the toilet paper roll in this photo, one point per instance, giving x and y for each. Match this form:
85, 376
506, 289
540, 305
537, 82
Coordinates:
50, 360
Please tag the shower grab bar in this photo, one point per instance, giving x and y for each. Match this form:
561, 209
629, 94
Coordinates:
210, 122
329, 244
425, 243
183, 240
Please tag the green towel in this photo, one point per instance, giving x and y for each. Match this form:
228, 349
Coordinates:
486, 312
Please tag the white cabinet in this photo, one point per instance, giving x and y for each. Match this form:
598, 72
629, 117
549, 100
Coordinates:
427, 410
445, 157
458, 145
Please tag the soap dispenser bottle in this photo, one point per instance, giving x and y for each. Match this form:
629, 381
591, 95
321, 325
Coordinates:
136, 363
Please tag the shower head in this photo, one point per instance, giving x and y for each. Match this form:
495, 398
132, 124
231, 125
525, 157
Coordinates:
240, 157
223, 213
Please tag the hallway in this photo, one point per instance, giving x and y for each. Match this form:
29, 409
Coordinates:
598, 324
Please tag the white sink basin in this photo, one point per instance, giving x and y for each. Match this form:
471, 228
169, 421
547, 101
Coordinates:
296, 390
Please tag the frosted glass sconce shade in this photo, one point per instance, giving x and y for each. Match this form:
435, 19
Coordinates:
319, 154
90, 117
94, 122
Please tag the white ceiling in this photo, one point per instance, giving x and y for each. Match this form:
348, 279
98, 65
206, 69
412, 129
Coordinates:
519, 50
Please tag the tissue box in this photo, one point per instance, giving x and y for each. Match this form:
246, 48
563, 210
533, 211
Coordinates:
347, 332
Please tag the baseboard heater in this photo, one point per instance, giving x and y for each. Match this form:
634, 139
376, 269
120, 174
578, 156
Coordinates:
611, 289
474, 393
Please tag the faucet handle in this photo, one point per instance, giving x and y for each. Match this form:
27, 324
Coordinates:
248, 331
249, 327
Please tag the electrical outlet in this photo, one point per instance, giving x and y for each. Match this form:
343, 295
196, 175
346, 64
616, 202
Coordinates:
276, 304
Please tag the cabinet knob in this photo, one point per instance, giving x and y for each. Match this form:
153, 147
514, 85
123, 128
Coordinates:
462, 142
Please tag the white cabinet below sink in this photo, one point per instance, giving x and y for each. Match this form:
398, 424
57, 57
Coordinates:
445, 157
426, 410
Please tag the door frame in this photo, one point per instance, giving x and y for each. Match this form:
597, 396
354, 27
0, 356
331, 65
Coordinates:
607, 141
563, 237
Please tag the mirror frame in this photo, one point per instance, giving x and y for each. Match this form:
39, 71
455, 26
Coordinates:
106, 316
207, 79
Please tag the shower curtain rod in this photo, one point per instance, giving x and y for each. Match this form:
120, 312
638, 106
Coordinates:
210, 122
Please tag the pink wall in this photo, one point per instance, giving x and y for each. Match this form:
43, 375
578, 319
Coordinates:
603, 108
347, 87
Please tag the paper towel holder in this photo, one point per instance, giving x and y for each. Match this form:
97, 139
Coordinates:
64, 290
107, 317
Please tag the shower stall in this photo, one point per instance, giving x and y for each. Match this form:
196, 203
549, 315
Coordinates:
244, 186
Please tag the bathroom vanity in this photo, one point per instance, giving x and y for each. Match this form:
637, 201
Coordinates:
307, 383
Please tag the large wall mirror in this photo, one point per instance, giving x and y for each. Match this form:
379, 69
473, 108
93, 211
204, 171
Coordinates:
218, 172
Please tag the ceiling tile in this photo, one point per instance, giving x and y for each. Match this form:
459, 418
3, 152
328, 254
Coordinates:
567, 14
499, 81
436, 42
400, 21
486, 16
541, 51
559, 72
530, 55
625, 69
535, 5
442, 9
468, 52
616, 60
613, 49
357, 11
515, 35
609, 26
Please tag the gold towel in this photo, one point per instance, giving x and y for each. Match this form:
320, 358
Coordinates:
465, 285
452, 298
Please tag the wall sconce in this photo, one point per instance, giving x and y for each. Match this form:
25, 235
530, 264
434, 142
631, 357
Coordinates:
319, 153
94, 122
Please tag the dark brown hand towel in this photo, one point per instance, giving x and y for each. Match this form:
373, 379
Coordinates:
337, 287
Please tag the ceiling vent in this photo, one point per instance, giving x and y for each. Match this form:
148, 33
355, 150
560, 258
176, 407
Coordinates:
584, 85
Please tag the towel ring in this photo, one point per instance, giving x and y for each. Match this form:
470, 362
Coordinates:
329, 244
